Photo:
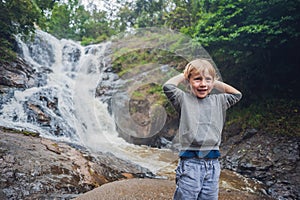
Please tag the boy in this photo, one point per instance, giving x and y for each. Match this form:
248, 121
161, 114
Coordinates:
202, 118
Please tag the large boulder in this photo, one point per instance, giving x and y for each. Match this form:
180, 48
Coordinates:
145, 189
38, 168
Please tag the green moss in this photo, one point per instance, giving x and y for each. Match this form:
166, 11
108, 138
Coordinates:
137, 95
131, 62
153, 93
156, 89
24, 132
88, 40
55, 144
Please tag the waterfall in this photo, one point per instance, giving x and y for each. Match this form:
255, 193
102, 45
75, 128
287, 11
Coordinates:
64, 107
54, 59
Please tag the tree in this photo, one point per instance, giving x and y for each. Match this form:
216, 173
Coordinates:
66, 19
141, 13
183, 15
124, 18
19, 17
72, 21
15, 17
59, 23
45, 5
97, 27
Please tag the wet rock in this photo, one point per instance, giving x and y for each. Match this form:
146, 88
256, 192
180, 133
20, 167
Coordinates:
17, 74
40, 115
249, 133
271, 159
71, 54
39, 168
41, 51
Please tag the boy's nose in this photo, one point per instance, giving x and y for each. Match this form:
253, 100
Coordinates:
203, 83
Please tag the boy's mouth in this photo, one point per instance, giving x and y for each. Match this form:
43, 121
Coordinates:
201, 90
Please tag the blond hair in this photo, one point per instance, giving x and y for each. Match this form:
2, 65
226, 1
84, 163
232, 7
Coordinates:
199, 66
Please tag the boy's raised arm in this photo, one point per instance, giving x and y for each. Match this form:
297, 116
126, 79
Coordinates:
223, 87
175, 80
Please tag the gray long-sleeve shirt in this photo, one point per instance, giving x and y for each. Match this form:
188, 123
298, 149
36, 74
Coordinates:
201, 120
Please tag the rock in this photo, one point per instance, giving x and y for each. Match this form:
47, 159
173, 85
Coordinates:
146, 189
39, 168
271, 159
17, 74
20, 74
131, 189
249, 133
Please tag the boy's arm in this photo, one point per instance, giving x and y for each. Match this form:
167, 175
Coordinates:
176, 79
223, 87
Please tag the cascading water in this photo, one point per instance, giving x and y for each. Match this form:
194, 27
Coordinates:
46, 109
64, 107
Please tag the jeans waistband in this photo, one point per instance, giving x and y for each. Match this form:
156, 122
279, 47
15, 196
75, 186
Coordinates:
198, 158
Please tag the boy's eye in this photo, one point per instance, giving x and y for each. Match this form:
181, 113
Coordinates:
201, 78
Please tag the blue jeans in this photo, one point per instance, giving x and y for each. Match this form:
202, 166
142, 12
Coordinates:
197, 178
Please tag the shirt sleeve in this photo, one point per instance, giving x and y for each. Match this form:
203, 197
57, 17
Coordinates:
231, 99
174, 95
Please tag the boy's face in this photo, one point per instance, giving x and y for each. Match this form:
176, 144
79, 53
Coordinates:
201, 83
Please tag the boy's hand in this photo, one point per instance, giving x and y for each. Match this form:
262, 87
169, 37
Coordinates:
176, 79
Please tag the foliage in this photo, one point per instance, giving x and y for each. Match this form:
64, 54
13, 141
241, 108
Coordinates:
249, 24
251, 41
141, 14
276, 116
15, 17
184, 15
59, 21
96, 27
71, 20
